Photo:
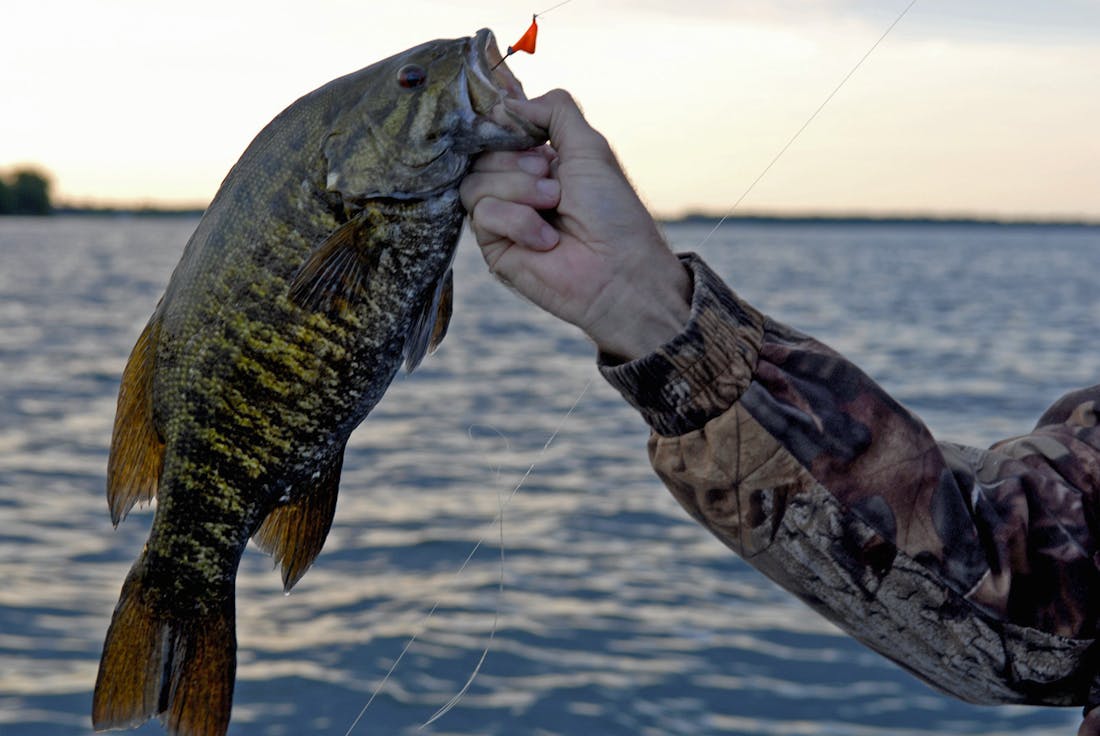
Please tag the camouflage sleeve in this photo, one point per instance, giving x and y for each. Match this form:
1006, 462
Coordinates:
974, 569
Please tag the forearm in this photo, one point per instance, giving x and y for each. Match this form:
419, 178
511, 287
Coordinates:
700, 372
798, 461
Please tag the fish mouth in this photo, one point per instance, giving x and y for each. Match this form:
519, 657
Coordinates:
488, 63
490, 82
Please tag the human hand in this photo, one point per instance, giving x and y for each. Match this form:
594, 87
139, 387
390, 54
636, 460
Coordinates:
594, 256
1090, 726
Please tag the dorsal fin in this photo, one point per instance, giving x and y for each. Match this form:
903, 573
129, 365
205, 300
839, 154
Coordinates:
430, 326
295, 532
137, 450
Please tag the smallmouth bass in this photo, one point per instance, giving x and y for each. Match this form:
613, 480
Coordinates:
321, 265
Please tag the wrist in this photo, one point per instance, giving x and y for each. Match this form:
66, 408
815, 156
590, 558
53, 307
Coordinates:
645, 314
702, 371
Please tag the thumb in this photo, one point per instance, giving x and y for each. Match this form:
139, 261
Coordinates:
557, 112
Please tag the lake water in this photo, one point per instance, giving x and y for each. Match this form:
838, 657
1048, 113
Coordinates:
618, 614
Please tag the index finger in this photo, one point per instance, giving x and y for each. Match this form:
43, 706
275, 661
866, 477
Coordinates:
534, 161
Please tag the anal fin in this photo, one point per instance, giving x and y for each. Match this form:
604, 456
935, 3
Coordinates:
295, 532
137, 450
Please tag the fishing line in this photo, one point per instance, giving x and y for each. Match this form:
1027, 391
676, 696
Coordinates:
544, 12
446, 707
498, 433
528, 40
809, 120
423, 625
499, 518
454, 701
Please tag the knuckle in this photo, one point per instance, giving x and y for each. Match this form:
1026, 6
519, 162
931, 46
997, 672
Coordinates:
561, 97
599, 142
481, 217
469, 193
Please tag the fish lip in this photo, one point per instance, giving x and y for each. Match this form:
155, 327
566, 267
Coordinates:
487, 124
487, 63
489, 83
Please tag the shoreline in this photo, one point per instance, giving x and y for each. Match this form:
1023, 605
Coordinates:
699, 219
856, 219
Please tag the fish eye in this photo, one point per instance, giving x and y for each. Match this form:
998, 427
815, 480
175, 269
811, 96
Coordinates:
412, 76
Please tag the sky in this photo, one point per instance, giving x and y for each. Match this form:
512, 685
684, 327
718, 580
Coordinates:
978, 108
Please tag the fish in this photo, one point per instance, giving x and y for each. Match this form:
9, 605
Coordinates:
321, 265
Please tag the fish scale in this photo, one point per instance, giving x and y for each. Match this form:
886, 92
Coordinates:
251, 459
320, 266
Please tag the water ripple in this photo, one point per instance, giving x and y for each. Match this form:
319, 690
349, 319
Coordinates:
619, 615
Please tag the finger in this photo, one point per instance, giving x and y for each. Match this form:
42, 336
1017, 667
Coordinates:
513, 186
533, 161
559, 113
495, 219
1091, 725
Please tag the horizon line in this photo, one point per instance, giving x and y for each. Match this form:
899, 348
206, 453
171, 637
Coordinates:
701, 217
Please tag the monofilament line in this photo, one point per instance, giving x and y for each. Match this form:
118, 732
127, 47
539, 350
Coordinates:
446, 708
423, 625
809, 120
553, 8
496, 616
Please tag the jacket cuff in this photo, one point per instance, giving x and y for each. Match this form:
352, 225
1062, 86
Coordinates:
701, 372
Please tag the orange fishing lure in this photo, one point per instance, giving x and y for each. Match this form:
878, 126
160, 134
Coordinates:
526, 42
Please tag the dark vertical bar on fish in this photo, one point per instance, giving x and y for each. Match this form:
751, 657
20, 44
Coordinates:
321, 265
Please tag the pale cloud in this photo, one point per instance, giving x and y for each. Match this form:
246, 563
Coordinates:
975, 107
1013, 21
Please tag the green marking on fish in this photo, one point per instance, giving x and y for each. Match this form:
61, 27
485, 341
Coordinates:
322, 263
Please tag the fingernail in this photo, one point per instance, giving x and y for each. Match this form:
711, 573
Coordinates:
548, 236
533, 165
548, 188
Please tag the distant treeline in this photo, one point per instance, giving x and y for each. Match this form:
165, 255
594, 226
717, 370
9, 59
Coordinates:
25, 192
123, 211
695, 218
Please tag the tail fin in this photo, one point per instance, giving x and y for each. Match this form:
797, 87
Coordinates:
158, 663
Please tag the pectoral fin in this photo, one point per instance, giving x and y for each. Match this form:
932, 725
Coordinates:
430, 326
137, 450
335, 274
295, 532
443, 311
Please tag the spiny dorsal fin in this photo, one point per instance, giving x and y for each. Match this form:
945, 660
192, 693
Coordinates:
295, 532
430, 326
137, 450
335, 274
